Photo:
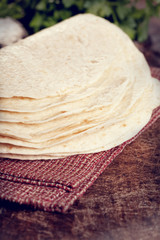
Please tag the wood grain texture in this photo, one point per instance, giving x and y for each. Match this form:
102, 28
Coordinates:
123, 203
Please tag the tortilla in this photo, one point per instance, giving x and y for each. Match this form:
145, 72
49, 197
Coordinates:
78, 87
103, 138
69, 44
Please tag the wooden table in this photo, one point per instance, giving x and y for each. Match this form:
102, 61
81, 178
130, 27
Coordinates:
122, 204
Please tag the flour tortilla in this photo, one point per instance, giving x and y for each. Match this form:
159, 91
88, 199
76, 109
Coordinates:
86, 119
105, 95
106, 86
69, 44
115, 91
104, 138
31, 157
81, 145
29, 105
69, 124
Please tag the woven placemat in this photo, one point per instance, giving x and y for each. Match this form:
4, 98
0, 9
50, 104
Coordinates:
54, 185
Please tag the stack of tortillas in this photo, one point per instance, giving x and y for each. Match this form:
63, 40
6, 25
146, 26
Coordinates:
80, 86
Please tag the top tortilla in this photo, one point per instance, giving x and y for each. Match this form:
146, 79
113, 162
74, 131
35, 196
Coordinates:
59, 60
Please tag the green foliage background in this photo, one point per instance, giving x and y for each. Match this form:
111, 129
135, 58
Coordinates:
38, 14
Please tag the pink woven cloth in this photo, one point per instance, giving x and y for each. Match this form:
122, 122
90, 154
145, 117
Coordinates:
54, 185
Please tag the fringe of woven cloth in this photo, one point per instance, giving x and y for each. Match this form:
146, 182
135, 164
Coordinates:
54, 185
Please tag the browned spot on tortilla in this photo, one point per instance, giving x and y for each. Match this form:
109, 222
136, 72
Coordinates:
94, 61
86, 121
63, 111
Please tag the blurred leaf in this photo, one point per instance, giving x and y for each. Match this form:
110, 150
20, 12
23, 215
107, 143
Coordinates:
143, 30
130, 22
137, 13
51, 7
87, 4
56, 15
68, 3
41, 6
123, 12
37, 21
80, 4
105, 11
62, 14
12, 10
99, 8
49, 22
65, 14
